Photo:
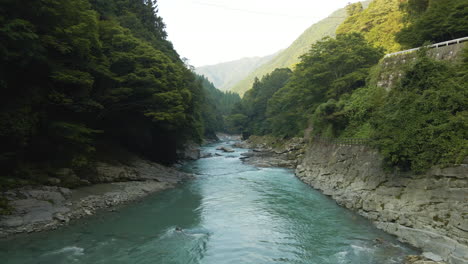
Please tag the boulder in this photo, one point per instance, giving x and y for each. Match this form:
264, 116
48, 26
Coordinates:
190, 151
206, 155
67, 177
225, 149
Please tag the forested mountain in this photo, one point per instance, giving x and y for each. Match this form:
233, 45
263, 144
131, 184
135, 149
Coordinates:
217, 104
330, 69
290, 56
378, 23
334, 89
78, 74
225, 75
250, 114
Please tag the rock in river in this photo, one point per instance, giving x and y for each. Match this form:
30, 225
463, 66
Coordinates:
225, 149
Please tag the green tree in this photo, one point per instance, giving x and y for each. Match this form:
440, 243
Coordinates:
216, 105
378, 23
433, 21
330, 69
48, 52
235, 123
423, 121
79, 74
256, 99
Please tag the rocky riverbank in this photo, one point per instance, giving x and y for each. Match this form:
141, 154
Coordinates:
427, 211
39, 208
272, 152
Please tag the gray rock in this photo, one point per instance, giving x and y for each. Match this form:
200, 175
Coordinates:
41, 208
206, 155
225, 149
62, 218
11, 221
64, 173
53, 181
432, 256
190, 151
106, 172
423, 210
50, 195
67, 177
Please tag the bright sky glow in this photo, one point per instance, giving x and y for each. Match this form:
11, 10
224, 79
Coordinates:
213, 31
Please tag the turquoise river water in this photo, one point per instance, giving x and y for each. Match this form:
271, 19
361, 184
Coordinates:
231, 213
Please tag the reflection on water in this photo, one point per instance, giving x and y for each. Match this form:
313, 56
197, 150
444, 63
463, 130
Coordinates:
232, 213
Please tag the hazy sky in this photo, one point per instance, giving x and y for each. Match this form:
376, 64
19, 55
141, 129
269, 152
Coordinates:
213, 31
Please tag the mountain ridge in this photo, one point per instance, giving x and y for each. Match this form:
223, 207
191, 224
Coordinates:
290, 56
226, 74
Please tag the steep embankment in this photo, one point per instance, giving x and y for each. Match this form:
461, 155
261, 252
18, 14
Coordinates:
38, 208
427, 211
225, 75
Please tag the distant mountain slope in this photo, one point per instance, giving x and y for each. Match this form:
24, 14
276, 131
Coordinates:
290, 56
227, 74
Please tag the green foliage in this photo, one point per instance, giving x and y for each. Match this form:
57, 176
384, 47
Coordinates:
433, 21
77, 72
349, 116
334, 89
354, 9
424, 121
254, 103
331, 68
215, 106
378, 23
329, 118
235, 123
414, 8
420, 123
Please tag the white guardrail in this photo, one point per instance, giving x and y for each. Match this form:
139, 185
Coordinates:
441, 44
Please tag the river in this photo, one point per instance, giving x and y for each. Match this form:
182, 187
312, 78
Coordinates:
231, 213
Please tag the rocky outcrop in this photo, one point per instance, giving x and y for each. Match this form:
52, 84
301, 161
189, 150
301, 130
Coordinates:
271, 152
136, 170
228, 137
191, 151
420, 260
225, 149
429, 211
38, 208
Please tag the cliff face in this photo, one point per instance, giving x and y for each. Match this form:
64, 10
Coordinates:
429, 211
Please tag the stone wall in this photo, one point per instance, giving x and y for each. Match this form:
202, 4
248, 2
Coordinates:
429, 211
392, 68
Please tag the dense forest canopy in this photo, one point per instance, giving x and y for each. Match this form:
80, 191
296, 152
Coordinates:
378, 23
78, 73
249, 116
334, 90
433, 21
217, 105
332, 67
